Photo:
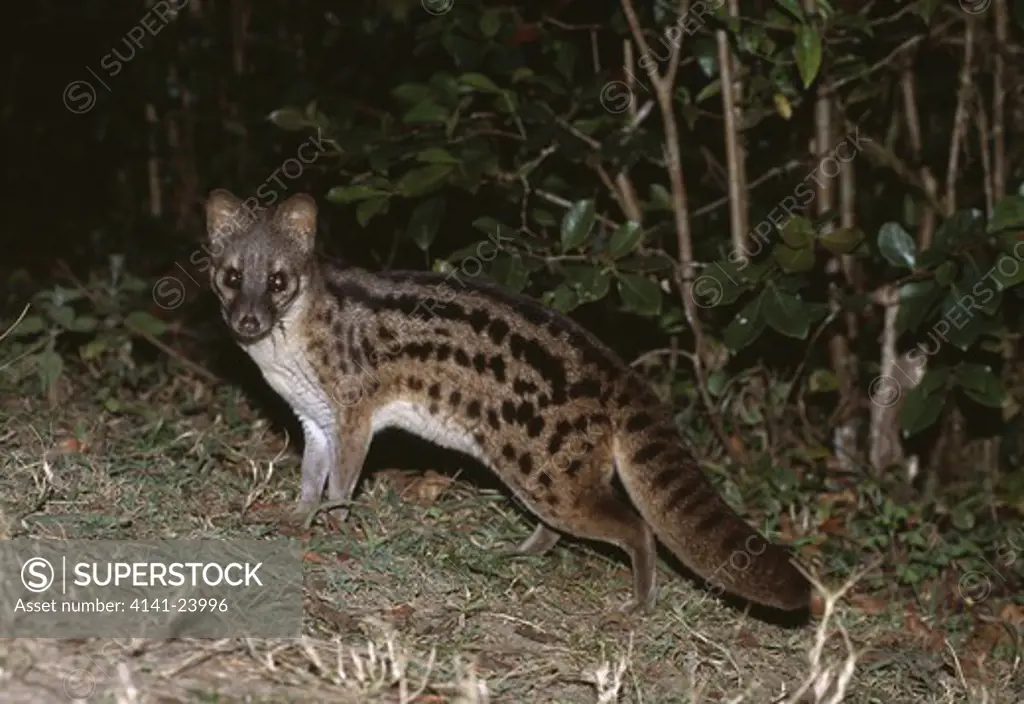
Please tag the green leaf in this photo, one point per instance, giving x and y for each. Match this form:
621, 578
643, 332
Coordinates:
931, 258
500, 234
562, 299
510, 272
93, 348
745, 327
960, 326
625, 239
1007, 272
577, 224
51, 367
797, 232
925, 9
710, 90
921, 408
917, 299
62, 315
646, 263
963, 518
660, 198
490, 22
145, 323
590, 282
421, 181
706, 52
543, 217
822, 381
290, 119
793, 7
436, 155
351, 194
640, 295
786, 313
936, 379
426, 113
896, 245
369, 209
411, 93
981, 385
842, 240
565, 57
480, 82
807, 52
945, 273
1008, 214
720, 284
29, 325
85, 323
960, 228
425, 221
793, 261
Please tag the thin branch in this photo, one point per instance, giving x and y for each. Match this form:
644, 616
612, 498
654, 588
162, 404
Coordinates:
791, 165
888, 61
926, 220
960, 119
999, 91
16, 323
664, 85
732, 88
988, 181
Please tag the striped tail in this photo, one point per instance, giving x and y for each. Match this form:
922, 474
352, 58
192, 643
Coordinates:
691, 518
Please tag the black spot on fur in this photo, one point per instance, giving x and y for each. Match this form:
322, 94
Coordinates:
508, 411
521, 387
638, 422
524, 414
649, 452
535, 426
498, 367
497, 330
479, 362
588, 388
478, 320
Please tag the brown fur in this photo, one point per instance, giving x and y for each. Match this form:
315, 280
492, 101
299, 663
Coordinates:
544, 404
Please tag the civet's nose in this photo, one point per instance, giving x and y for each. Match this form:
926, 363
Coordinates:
248, 325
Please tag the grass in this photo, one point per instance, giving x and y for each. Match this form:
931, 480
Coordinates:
410, 600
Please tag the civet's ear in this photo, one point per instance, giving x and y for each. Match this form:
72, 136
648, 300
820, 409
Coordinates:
222, 216
296, 217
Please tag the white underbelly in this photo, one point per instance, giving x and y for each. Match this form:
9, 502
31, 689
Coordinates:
414, 418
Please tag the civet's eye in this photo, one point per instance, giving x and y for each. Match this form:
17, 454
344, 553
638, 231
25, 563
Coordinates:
233, 279
277, 282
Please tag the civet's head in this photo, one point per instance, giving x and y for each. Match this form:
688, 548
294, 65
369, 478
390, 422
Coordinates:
260, 262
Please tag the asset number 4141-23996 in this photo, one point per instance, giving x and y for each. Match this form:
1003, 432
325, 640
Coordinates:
181, 605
